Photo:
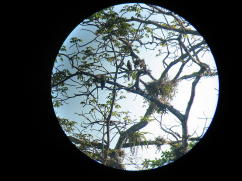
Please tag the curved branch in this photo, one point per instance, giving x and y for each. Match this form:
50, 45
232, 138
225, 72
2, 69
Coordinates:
184, 31
92, 144
182, 57
153, 142
187, 111
189, 105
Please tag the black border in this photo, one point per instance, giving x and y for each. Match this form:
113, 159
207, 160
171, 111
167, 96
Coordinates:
46, 148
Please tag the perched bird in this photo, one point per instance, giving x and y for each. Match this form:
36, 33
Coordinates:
136, 63
143, 65
101, 79
129, 66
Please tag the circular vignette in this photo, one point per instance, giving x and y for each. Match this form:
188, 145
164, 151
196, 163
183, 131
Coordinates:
128, 86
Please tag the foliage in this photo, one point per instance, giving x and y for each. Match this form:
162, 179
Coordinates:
67, 125
94, 70
136, 138
167, 156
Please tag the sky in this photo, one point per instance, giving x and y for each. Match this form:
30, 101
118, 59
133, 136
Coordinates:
204, 105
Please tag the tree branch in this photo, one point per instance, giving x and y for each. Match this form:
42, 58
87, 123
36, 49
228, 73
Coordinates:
186, 31
127, 145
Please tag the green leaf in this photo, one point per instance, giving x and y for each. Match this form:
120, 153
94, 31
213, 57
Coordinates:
117, 106
75, 40
57, 104
114, 113
110, 59
63, 48
134, 75
122, 97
